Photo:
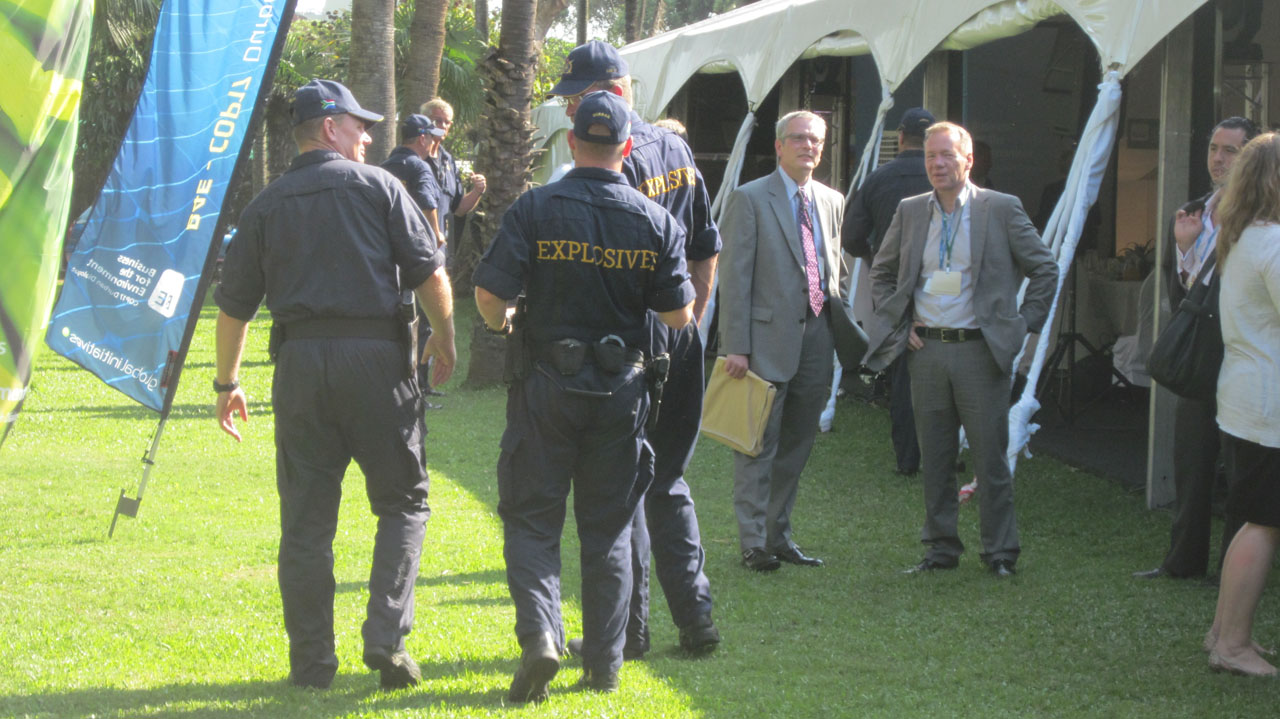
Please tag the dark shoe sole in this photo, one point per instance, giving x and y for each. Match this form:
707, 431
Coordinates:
530, 684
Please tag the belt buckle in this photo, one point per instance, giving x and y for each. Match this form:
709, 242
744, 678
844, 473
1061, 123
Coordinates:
950, 335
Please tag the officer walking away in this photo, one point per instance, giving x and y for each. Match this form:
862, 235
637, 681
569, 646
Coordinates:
868, 218
329, 245
592, 257
661, 167
407, 162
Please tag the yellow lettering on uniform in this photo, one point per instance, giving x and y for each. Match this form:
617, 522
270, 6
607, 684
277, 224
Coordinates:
597, 256
610, 259
559, 247
674, 180
647, 258
543, 246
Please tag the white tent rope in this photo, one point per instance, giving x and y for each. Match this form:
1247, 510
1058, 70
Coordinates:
870, 160
1062, 234
732, 174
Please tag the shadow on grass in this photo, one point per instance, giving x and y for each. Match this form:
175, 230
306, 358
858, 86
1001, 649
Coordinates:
177, 411
490, 576
354, 692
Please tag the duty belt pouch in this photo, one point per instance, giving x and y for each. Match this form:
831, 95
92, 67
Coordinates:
609, 357
275, 341
656, 375
515, 366
407, 315
568, 356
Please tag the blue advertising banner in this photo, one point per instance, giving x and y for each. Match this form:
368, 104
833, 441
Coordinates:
133, 279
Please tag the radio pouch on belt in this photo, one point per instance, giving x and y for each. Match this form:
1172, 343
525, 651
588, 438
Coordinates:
407, 317
515, 365
656, 374
275, 341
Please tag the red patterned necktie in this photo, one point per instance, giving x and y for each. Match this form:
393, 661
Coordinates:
810, 256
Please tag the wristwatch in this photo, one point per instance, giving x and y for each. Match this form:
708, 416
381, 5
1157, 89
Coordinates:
220, 388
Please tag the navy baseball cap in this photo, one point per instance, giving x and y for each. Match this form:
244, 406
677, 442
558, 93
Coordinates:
607, 109
915, 121
326, 97
421, 125
588, 64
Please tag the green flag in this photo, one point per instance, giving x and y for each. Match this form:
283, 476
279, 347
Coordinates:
43, 45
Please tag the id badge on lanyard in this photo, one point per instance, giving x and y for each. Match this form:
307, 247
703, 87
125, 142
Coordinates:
943, 281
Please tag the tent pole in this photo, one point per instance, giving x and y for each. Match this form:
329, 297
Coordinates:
129, 506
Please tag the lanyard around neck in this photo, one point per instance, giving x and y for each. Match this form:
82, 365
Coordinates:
950, 228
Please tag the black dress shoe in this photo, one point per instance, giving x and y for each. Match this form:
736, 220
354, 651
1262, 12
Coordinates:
793, 555
699, 638
1003, 568
1151, 574
929, 565
433, 392
758, 560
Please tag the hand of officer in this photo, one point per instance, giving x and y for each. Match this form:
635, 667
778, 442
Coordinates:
736, 365
229, 404
913, 340
444, 354
477, 182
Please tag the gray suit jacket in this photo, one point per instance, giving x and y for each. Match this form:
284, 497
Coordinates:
1005, 248
764, 293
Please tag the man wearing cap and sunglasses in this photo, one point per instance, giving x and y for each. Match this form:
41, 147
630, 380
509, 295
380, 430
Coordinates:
328, 245
661, 167
408, 163
592, 257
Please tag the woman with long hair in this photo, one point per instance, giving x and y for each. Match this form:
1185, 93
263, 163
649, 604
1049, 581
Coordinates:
1249, 397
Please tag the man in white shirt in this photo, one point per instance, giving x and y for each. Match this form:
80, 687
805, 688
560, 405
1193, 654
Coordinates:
1193, 240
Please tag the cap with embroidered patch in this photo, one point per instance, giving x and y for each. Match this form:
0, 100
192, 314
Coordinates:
421, 125
606, 109
588, 64
319, 98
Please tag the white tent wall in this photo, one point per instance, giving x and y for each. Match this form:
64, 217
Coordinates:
760, 42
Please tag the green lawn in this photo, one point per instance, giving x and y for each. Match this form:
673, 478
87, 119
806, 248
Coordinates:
178, 615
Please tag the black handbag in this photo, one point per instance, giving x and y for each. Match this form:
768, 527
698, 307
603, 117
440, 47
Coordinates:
1187, 355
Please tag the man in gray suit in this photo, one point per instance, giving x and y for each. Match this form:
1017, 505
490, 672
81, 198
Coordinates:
944, 286
780, 263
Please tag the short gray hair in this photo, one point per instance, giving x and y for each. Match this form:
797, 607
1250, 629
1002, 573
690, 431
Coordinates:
956, 132
781, 129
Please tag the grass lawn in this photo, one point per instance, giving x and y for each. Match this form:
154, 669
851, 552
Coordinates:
179, 615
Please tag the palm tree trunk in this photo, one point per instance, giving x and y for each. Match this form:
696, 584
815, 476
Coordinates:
426, 46
631, 22
504, 157
482, 20
584, 10
371, 74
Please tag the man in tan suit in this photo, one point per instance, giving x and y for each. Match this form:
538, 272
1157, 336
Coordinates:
944, 286
780, 263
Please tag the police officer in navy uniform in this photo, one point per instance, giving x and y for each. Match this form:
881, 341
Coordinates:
408, 163
329, 245
661, 166
592, 257
866, 221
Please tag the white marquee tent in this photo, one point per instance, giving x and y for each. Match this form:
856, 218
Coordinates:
760, 42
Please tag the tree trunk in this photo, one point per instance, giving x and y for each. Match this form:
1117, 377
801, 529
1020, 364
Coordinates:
371, 74
279, 131
482, 20
544, 17
504, 155
631, 21
659, 13
426, 47
584, 12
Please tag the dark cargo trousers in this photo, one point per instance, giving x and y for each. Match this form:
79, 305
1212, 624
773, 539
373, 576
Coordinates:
554, 440
336, 400
666, 522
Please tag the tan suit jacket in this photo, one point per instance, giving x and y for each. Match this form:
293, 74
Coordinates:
1004, 248
764, 291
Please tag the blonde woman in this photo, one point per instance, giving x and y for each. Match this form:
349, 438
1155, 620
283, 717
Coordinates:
1249, 398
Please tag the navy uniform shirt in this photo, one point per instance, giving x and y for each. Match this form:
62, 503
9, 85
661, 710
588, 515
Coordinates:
416, 176
868, 216
327, 240
661, 167
449, 186
592, 256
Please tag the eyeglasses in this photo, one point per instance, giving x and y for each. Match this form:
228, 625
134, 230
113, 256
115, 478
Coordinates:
441, 121
801, 138
569, 100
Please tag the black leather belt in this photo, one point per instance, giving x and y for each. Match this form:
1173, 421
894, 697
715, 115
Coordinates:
569, 355
946, 334
356, 327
